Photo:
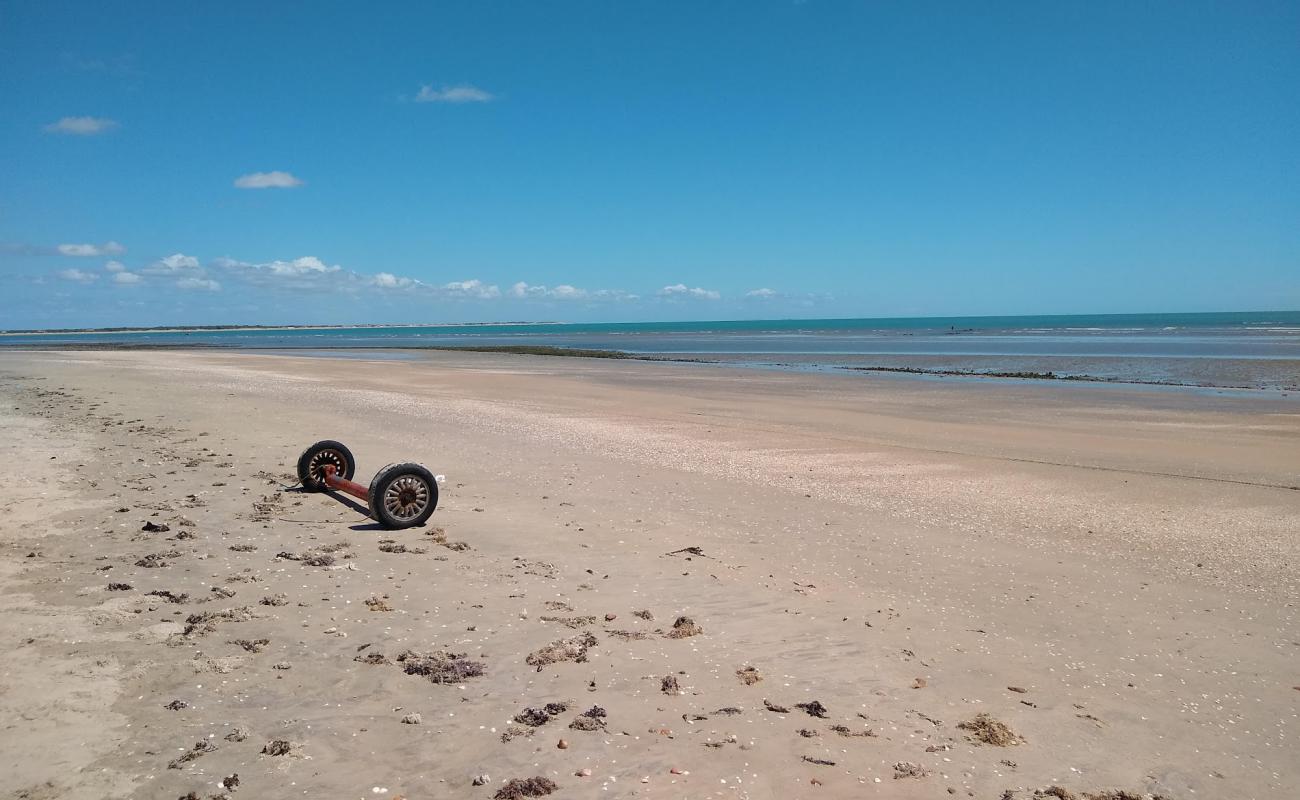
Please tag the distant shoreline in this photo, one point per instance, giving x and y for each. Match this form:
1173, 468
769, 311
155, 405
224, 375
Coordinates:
236, 328
620, 355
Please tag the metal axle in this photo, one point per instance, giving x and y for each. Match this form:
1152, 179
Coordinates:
343, 484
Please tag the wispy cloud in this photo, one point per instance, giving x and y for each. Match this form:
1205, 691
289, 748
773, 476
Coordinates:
267, 180
564, 291
105, 249
81, 126
453, 94
198, 284
175, 264
126, 278
681, 290
762, 294
475, 289
78, 276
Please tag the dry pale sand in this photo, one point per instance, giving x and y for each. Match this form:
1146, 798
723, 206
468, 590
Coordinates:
1111, 573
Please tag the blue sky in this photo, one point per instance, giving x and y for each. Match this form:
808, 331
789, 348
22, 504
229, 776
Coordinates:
165, 163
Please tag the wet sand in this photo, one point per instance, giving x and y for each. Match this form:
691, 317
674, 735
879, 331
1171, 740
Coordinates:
1108, 574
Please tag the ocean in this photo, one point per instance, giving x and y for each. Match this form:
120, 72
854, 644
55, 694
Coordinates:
1256, 350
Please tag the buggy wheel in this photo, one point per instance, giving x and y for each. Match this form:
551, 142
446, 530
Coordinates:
311, 463
403, 495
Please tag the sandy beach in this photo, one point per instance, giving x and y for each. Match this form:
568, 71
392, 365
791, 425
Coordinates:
643, 580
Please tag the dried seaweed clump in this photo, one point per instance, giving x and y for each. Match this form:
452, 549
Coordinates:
516, 788
684, 627
748, 676
984, 729
571, 622
593, 719
377, 603
573, 648
206, 622
440, 667
669, 685
815, 708
537, 717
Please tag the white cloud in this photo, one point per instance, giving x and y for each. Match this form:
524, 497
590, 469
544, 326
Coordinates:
471, 288
562, 292
762, 294
267, 180
174, 264
678, 290
115, 266
78, 276
81, 126
126, 277
198, 284
387, 280
453, 94
105, 249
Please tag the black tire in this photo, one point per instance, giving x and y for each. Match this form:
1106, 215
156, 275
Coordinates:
324, 452
403, 495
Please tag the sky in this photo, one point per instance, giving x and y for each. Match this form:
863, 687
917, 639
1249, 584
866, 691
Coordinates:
318, 163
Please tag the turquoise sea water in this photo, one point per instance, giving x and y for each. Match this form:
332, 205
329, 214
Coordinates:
1255, 349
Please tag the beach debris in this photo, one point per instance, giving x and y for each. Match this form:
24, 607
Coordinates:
846, 731
516, 788
669, 685
120, 587
808, 733
537, 717
684, 627
392, 546
278, 599
593, 719
773, 707
480, 780
251, 645
222, 592
199, 749
563, 744
585, 772
821, 762
176, 705
169, 596
206, 622
376, 603
1019, 690
906, 769
155, 527
412, 719
557, 605
627, 636
984, 729
440, 667
156, 560
373, 658
814, 708
570, 622
919, 683
243, 548
693, 550
573, 648
748, 676
231, 782
277, 747
644, 614
282, 665
238, 734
